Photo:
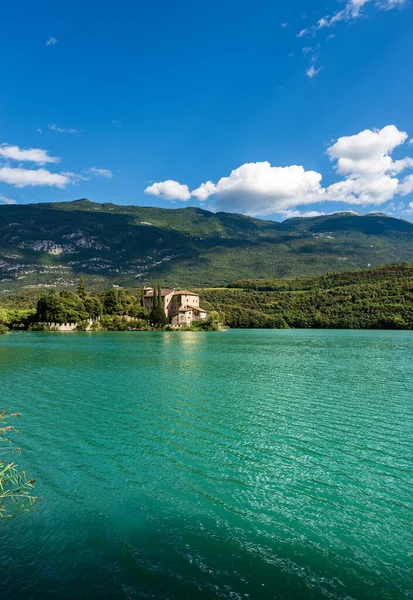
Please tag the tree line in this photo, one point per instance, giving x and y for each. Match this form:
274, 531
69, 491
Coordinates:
380, 298
113, 309
372, 299
109, 307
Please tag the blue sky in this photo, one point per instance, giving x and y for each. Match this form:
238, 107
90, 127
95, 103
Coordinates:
265, 108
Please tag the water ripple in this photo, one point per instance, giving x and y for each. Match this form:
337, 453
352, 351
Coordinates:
261, 464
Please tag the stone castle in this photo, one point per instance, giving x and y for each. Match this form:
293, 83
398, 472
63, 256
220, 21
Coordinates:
181, 306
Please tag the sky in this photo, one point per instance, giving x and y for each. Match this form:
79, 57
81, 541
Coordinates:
271, 109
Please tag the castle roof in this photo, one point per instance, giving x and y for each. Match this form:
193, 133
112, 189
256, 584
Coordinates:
194, 308
185, 292
149, 293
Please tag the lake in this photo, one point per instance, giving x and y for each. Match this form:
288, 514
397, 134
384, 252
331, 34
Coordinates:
241, 464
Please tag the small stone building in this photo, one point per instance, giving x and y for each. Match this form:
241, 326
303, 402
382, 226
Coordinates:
181, 306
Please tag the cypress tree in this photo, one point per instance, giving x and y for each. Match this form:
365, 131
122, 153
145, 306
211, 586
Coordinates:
157, 316
160, 306
81, 287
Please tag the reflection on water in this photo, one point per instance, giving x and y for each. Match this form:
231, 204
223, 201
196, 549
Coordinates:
261, 464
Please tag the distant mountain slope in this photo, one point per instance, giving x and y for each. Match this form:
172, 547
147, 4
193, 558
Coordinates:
51, 244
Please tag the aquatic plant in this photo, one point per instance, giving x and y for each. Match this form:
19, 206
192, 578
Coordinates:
15, 487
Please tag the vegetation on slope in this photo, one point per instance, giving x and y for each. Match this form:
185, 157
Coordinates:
52, 244
372, 299
380, 298
111, 310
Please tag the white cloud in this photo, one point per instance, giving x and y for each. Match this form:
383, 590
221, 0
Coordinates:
352, 10
4, 200
35, 155
74, 177
368, 143
63, 130
204, 191
290, 214
33, 177
408, 210
100, 172
406, 187
284, 24
389, 4
363, 161
169, 190
363, 190
51, 41
261, 189
312, 71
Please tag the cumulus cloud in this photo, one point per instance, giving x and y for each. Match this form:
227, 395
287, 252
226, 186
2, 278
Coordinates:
4, 200
367, 166
262, 189
100, 172
204, 191
368, 144
20, 177
35, 155
363, 190
169, 190
62, 129
368, 176
51, 41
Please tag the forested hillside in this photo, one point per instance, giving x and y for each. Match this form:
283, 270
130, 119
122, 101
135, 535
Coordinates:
380, 298
372, 299
53, 244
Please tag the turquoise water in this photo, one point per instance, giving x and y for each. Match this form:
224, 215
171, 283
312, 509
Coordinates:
241, 464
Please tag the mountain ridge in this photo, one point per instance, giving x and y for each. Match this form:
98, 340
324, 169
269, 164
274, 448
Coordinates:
53, 243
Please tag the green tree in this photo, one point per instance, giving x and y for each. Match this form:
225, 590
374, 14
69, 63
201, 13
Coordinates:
81, 287
157, 317
93, 306
3, 319
64, 308
112, 304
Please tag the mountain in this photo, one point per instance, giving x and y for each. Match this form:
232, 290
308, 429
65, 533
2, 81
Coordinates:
53, 243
